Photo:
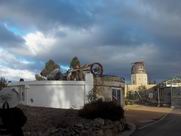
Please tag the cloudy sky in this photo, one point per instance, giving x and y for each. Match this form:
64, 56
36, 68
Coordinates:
112, 32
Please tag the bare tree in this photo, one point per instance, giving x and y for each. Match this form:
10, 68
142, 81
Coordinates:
3, 82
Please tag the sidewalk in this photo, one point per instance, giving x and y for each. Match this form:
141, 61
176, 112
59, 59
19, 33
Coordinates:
142, 115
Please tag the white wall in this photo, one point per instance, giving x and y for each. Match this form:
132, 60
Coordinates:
88, 85
106, 93
55, 94
105, 89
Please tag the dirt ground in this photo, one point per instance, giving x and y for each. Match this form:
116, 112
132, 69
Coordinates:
41, 120
142, 115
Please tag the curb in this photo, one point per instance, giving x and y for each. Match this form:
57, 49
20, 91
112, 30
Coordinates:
132, 128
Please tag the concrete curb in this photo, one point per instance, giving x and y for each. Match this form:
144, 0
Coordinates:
132, 128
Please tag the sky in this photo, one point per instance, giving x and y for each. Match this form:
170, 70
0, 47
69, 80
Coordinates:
115, 33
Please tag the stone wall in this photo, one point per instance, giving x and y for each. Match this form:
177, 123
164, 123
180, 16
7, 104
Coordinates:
139, 79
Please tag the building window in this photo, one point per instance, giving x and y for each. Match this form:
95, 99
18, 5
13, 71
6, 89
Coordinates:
116, 95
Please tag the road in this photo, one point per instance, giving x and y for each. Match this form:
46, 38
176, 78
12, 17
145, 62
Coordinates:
169, 126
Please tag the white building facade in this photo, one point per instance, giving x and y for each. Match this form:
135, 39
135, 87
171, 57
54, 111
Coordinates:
54, 94
59, 94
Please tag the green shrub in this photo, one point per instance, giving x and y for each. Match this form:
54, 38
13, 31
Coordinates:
100, 109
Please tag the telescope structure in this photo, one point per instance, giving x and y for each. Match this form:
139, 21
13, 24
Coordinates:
138, 74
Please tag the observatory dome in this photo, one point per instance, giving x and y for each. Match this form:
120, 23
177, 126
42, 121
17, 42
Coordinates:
138, 68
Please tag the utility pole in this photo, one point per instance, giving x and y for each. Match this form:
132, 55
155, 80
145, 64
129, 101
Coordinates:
171, 93
158, 91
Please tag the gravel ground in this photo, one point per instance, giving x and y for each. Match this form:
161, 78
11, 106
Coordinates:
42, 120
50, 121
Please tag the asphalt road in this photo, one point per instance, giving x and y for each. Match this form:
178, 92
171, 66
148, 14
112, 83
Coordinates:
169, 126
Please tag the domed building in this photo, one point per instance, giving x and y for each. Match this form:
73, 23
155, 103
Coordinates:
138, 74
139, 78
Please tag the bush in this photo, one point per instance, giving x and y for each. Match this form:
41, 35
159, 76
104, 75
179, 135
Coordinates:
100, 109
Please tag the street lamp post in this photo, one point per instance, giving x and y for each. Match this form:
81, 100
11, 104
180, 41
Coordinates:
158, 91
171, 93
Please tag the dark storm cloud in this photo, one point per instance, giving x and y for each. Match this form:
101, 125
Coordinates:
46, 13
168, 6
112, 32
162, 20
9, 39
112, 18
123, 35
